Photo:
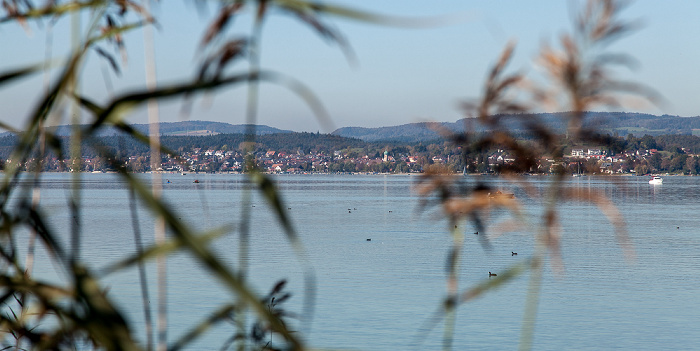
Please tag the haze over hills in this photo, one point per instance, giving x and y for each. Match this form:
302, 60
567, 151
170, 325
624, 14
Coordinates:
620, 123
184, 128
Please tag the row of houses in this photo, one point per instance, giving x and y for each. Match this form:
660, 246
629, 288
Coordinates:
222, 160
273, 161
211, 160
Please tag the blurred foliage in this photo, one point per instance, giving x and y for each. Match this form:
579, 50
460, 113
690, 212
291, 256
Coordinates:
78, 313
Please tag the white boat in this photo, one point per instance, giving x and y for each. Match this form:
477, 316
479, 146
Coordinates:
499, 194
656, 180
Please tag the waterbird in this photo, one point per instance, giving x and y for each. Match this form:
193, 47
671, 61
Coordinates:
513, 253
476, 233
492, 274
369, 239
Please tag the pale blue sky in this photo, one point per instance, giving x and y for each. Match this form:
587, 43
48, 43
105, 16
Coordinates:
403, 76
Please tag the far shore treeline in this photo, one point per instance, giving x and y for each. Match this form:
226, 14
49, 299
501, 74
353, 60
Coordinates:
327, 153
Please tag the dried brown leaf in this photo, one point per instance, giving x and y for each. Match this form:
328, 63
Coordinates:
219, 24
109, 58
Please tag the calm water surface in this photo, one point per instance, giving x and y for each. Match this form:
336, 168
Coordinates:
377, 295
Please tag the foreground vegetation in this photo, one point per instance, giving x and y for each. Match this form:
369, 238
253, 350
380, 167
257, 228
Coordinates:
77, 311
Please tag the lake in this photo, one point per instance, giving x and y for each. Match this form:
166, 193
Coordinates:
378, 294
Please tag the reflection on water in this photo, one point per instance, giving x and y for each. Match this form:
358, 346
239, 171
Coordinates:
375, 295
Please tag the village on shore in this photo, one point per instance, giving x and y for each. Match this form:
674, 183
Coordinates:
579, 161
306, 153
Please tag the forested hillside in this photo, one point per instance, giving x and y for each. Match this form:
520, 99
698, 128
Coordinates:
287, 142
620, 123
613, 123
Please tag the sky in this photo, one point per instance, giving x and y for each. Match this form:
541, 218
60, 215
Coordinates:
402, 75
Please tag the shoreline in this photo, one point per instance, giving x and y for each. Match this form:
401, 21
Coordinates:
374, 173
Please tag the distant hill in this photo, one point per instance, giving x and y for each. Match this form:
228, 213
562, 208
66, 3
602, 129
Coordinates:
406, 132
184, 128
621, 123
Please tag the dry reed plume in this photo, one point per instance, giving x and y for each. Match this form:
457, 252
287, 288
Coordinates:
79, 313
